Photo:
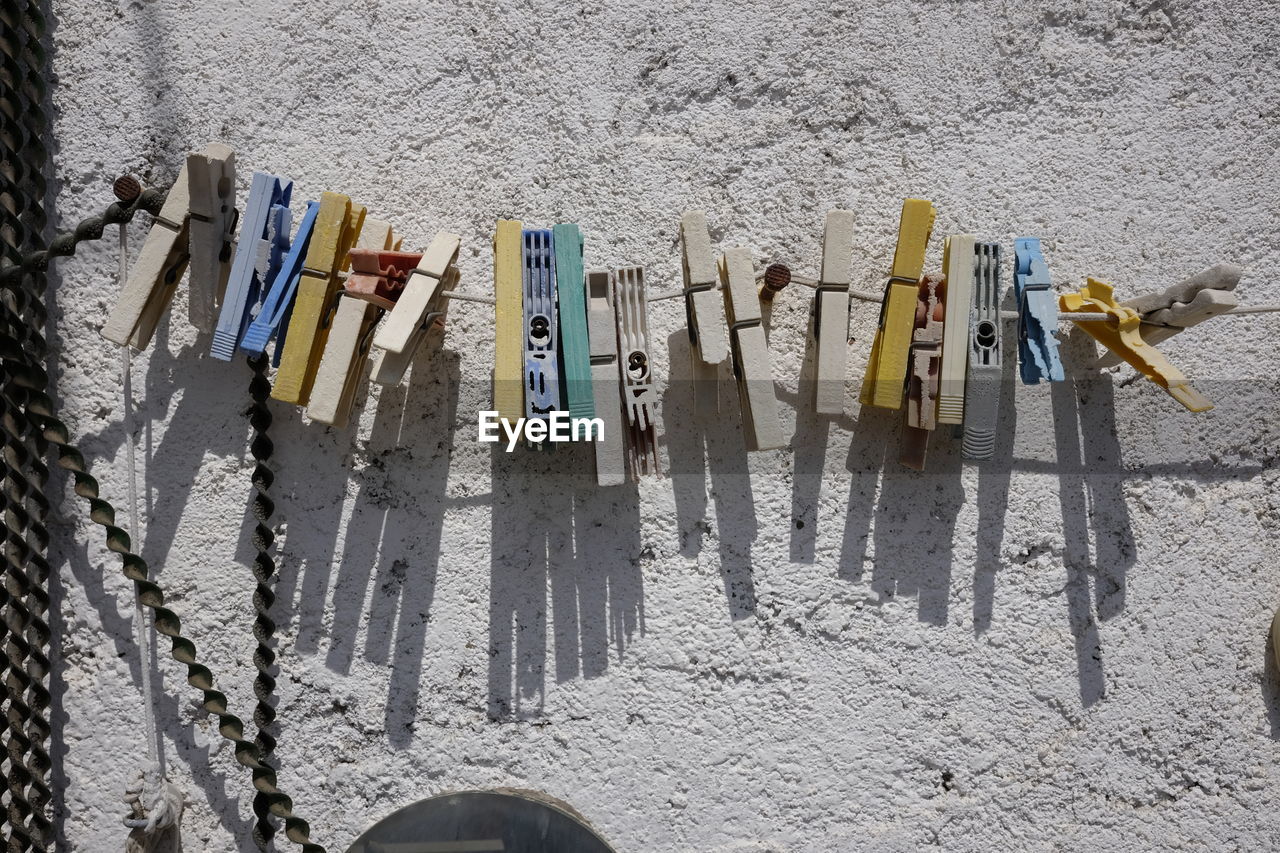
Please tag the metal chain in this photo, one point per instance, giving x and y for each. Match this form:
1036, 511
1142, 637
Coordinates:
264, 569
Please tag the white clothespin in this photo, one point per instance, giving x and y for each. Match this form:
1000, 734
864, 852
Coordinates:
423, 287
155, 274
751, 362
211, 178
611, 460
704, 311
389, 367
639, 398
831, 313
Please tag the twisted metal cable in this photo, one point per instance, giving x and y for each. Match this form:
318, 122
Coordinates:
264, 569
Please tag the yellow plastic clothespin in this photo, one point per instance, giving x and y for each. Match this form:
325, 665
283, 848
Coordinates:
885, 380
1124, 339
508, 326
337, 228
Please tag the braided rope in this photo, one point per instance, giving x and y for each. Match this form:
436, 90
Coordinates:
264, 569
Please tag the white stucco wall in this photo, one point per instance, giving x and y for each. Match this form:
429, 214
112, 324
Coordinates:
810, 649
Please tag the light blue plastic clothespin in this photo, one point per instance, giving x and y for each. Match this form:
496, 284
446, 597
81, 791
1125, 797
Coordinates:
1037, 314
541, 366
271, 320
244, 285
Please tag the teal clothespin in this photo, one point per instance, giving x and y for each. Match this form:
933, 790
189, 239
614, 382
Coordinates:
575, 346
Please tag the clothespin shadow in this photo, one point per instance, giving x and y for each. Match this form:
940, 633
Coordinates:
1271, 677
698, 449
1091, 492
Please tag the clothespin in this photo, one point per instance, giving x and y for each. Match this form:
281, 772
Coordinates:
360, 306
1121, 335
704, 311
541, 366
155, 273
337, 228
575, 346
925, 371
211, 176
404, 325
611, 460
886, 375
986, 351
831, 313
271, 319
1202, 297
1037, 315
260, 234
958, 262
389, 367
639, 398
508, 325
751, 363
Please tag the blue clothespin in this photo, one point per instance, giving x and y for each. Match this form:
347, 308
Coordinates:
245, 284
271, 320
1037, 314
541, 367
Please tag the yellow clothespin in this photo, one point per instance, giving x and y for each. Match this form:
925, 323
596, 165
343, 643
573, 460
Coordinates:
885, 380
508, 327
1121, 335
337, 228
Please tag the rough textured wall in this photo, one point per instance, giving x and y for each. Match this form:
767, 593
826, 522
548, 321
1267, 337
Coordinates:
810, 649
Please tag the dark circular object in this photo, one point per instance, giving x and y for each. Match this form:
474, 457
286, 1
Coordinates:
776, 277
483, 822
127, 188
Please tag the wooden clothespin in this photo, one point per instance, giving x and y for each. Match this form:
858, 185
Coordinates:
270, 320
639, 398
155, 273
389, 367
359, 307
831, 313
1122, 336
261, 233
541, 365
704, 311
405, 324
508, 324
751, 363
986, 353
211, 176
575, 345
1037, 315
958, 261
611, 458
925, 371
337, 228
886, 375
1204, 296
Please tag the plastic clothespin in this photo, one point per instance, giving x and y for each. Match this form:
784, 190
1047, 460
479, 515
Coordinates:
704, 311
211, 176
389, 367
1037, 315
925, 371
885, 381
958, 263
360, 305
639, 398
830, 325
420, 295
751, 363
611, 459
541, 364
268, 195
986, 351
337, 228
508, 323
1202, 297
271, 319
575, 346
156, 272
1121, 335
